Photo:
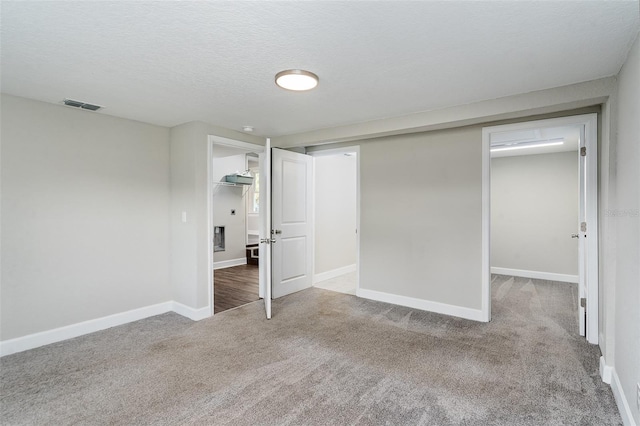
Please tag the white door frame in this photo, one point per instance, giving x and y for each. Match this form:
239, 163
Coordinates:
336, 151
590, 123
220, 141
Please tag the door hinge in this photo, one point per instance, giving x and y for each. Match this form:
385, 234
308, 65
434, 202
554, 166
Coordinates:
583, 302
583, 151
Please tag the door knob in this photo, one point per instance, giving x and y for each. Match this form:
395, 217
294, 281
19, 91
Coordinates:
575, 235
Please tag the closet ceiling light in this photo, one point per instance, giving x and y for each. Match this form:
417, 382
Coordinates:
512, 147
298, 80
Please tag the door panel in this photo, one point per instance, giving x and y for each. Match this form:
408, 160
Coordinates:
293, 250
294, 205
291, 221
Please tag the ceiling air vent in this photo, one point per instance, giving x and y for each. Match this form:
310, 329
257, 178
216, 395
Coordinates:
83, 105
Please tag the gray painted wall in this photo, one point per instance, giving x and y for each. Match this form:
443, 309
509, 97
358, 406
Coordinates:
626, 216
85, 200
534, 210
335, 212
226, 198
421, 216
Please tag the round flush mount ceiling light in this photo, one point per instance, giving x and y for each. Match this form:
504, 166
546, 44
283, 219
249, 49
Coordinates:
298, 80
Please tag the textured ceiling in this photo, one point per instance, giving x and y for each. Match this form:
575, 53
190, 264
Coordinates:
172, 62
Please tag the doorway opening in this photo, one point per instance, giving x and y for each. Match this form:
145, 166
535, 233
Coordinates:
539, 199
336, 213
235, 218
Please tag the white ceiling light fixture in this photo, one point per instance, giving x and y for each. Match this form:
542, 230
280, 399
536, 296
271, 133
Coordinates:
247, 128
297, 80
537, 144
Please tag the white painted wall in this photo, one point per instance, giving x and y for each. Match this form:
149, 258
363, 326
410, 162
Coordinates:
226, 198
85, 201
335, 212
420, 216
534, 210
627, 222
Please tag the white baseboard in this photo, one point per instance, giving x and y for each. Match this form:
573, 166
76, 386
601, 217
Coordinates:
565, 278
425, 305
191, 313
323, 276
621, 400
605, 371
229, 263
35, 340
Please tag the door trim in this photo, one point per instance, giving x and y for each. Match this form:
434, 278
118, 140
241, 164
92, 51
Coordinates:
334, 151
590, 123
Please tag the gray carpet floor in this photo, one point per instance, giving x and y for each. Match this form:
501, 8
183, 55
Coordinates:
325, 358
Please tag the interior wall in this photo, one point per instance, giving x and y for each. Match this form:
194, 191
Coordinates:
225, 199
335, 212
626, 216
85, 225
534, 210
420, 222
185, 233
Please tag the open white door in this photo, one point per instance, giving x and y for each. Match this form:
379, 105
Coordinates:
581, 235
292, 226
588, 227
265, 228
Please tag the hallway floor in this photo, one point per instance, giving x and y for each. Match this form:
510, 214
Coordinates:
235, 286
343, 284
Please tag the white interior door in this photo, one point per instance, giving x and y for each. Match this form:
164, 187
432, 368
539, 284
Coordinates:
588, 226
292, 225
581, 235
265, 228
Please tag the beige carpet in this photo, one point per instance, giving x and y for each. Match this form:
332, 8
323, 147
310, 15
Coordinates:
325, 358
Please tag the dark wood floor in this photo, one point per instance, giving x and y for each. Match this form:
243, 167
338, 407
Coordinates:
235, 286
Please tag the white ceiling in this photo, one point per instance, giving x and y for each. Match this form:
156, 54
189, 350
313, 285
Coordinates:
570, 134
172, 62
